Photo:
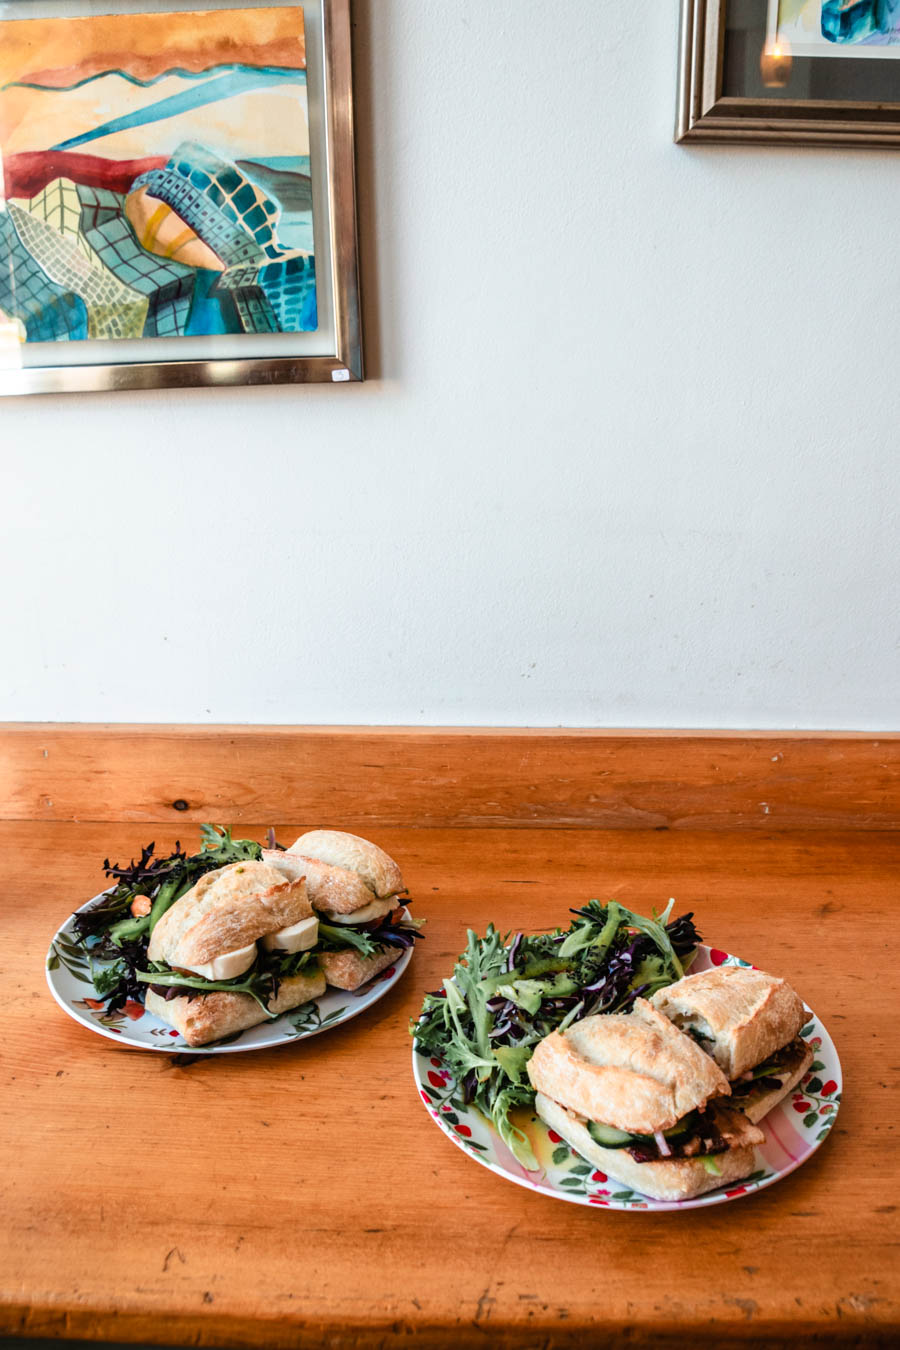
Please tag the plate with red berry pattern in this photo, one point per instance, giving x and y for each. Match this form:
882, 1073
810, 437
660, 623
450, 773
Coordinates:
71, 984
794, 1129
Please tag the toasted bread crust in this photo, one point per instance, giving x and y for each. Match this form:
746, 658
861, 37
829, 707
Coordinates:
334, 890
286, 863
212, 1016
635, 1071
378, 871
348, 970
748, 1014
226, 910
668, 1179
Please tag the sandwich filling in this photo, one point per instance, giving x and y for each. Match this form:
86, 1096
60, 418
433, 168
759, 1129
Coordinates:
391, 927
378, 909
701, 1134
261, 981
771, 1074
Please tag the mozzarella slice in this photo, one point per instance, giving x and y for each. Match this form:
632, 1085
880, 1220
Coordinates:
373, 911
227, 966
298, 937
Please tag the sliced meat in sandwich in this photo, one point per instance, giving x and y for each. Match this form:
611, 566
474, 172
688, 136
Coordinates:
354, 887
639, 1099
235, 950
749, 1022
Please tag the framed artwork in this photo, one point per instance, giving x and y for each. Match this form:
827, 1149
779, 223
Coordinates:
177, 199
801, 72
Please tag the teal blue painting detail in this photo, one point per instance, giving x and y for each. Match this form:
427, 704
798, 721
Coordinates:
237, 82
873, 22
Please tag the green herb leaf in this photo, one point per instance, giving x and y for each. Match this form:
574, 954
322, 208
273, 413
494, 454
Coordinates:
525, 994
512, 1060
108, 978
238, 986
515, 1140
337, 937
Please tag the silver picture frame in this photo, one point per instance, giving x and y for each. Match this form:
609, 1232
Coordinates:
332, 114
710, 112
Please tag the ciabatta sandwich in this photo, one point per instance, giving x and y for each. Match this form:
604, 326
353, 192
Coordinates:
749, 1022
640, 1100
354, 887
235, 950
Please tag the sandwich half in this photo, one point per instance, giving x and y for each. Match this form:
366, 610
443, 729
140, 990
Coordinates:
234, 951
355, 888
636, 1097
749, 1022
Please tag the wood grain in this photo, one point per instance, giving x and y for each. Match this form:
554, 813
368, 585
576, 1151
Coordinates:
302, 1197
382, 778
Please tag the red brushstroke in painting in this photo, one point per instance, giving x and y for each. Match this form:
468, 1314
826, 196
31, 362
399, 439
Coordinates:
27, 173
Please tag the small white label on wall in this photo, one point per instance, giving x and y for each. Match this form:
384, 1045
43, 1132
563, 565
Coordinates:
338, 375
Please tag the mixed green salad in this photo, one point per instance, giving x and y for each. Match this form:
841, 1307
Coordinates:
507, 993
115, 932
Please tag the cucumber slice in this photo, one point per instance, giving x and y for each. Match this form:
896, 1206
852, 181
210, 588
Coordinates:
607, 1136
768, 1069
683, 1126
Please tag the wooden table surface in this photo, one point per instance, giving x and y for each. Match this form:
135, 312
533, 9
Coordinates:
303, 1197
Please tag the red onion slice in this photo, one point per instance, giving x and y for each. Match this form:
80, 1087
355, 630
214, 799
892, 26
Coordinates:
662, 1144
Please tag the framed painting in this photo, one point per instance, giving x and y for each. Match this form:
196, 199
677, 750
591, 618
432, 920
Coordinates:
177, 199
799, 72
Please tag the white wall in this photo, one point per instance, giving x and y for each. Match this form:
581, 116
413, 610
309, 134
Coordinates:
629, 457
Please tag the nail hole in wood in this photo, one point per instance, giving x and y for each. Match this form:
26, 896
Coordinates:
180, 805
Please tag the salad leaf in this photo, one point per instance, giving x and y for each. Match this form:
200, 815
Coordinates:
512, 1060
515, 1139
164, 880
165, 978
525, 993
507, 993
106, 979
116, 938
261, 981
369, 939
334, 937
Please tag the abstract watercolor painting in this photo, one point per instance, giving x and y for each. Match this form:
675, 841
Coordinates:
847, 28
155, 175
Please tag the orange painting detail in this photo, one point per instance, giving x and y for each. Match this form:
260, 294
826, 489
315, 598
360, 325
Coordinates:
144, 45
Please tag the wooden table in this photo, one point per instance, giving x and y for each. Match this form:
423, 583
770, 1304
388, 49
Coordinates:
303, 1197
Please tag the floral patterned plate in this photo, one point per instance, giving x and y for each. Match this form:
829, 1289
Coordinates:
794, 1130
69, 978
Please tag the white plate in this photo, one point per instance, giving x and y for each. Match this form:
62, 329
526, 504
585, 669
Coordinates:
69, 978
793, 1130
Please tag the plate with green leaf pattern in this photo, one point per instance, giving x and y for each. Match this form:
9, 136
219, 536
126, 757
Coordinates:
70, 979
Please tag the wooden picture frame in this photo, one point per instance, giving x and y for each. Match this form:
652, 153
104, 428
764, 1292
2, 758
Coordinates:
329, 348
738, 83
